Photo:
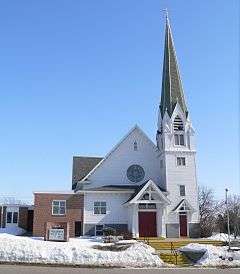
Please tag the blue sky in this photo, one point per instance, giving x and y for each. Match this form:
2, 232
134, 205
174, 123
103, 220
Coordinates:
75, 76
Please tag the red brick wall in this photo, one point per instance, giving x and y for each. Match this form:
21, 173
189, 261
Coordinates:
43, 211
23, 218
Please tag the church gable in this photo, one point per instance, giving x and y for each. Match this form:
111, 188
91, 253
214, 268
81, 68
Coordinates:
131, 162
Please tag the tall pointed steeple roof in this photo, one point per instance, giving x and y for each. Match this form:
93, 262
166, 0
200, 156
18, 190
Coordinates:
172, 89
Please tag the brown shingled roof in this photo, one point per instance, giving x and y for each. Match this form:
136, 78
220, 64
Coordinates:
81, 167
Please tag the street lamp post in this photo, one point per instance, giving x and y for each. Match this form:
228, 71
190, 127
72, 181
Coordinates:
228, 220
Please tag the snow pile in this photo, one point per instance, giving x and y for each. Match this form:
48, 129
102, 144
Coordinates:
75, 252
214, 255
15, 230
222, 237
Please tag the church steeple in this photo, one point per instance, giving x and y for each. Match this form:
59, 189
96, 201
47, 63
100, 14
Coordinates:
172, 89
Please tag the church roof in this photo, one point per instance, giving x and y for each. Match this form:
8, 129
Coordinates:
82, 165
172, 89
113, 188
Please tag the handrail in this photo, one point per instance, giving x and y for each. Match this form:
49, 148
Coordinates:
174, 252
146, 240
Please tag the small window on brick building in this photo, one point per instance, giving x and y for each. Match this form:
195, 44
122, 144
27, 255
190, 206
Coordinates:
59, 207
15, 217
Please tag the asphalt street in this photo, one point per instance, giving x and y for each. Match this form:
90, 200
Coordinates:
20, 269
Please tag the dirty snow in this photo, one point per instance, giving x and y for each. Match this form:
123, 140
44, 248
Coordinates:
78, 251
222, 237
214, 255
15, 230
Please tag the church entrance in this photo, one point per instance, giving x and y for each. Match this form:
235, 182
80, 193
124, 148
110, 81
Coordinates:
183, 224
147, 224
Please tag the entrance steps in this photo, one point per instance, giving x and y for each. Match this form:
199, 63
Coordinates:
177, 259
169, 244
167, 249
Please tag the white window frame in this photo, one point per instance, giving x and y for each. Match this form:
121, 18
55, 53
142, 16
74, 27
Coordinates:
8, 213
65, 208
181, 161
15, 212
178, 134
100, 206
180, 190
99, 229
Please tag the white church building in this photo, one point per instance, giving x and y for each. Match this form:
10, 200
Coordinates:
148, 188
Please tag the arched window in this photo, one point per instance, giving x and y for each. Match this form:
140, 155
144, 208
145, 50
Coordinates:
177, 124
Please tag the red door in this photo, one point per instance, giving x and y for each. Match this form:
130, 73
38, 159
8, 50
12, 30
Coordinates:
147, 224
183, 225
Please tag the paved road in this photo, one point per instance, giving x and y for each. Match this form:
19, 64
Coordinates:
17, 269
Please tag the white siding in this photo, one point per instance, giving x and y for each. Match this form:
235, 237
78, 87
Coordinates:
181, 175
117, 213
114, 169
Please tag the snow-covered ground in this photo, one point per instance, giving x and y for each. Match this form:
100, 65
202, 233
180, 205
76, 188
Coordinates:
222, 237
15, 230
214, 255
78, 251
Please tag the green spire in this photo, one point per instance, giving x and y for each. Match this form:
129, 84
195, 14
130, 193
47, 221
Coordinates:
172, 90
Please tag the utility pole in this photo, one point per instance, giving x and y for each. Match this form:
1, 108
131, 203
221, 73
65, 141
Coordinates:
228, 220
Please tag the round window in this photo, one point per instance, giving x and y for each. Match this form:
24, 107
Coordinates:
135, 173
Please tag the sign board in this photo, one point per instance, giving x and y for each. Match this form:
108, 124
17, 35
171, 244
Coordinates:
56, 234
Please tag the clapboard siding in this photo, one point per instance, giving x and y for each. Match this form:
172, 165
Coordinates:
114, 169
116, 213
181, 175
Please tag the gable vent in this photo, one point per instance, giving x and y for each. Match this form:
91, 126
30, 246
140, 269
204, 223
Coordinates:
177, 124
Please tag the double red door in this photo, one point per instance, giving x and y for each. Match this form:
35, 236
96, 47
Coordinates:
147, 224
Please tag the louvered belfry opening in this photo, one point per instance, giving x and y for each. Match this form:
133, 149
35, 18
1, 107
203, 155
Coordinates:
178, 124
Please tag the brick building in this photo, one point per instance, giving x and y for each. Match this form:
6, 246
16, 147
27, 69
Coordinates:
58, 207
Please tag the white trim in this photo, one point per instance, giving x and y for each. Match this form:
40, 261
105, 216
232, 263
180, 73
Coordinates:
53, 192
12, 215
179, 188
187, 203
150, 183
98, 201
59, 214
181, 166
